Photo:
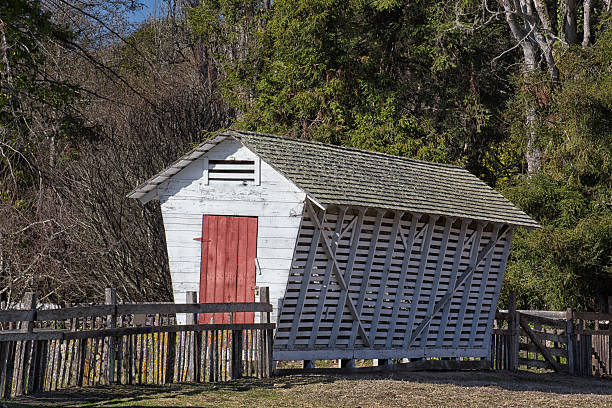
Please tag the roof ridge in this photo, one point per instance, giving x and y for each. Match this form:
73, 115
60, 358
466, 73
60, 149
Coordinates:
353, 149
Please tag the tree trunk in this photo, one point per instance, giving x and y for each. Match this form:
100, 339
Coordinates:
586, 38
569, 24
529, 22
533, 154
5, 48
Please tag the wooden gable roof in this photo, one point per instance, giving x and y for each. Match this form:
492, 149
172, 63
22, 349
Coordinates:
334, 175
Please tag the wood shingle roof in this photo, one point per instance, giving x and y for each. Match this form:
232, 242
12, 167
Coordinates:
335, 175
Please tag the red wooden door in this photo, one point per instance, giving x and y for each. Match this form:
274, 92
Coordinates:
227, 272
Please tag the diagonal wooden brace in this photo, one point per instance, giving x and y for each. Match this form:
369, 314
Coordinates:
347, 228
407, 243
337, 271
464, 277
348, 272
383, 283
323, 294
535, 340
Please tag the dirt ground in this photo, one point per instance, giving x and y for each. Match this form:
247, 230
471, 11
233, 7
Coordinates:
422, 389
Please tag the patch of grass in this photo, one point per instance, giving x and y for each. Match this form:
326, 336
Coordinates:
423, 389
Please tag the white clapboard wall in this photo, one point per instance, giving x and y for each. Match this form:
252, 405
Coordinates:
200, 188
384, 284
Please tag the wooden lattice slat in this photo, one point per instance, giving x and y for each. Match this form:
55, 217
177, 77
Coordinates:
397, 266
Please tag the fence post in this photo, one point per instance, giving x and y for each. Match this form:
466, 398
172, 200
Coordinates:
269, 364
29, 303
192, 297
192, 318
588, 354
24, 364
82, 357
579, 349
170, 356
36, 376
514, 330
264, 297
236, 350
10, 368
569, 332
38, 361
110, 295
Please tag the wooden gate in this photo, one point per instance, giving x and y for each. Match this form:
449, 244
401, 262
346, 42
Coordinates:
227, 273
573, 342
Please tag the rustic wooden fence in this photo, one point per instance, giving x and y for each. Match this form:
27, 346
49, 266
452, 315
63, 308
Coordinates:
44, 350
578, 343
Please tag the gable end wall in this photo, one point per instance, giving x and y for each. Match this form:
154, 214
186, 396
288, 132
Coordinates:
276, 201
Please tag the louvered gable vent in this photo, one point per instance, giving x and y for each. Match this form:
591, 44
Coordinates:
233, 170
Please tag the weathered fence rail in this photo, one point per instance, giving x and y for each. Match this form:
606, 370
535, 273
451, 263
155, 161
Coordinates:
578, 343
43, 350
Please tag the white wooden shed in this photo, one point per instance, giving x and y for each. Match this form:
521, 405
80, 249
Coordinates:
367, 255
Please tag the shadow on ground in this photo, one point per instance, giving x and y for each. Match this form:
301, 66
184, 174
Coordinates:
136, 395
132, 395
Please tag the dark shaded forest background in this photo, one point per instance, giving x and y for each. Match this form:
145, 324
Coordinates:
517, 91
